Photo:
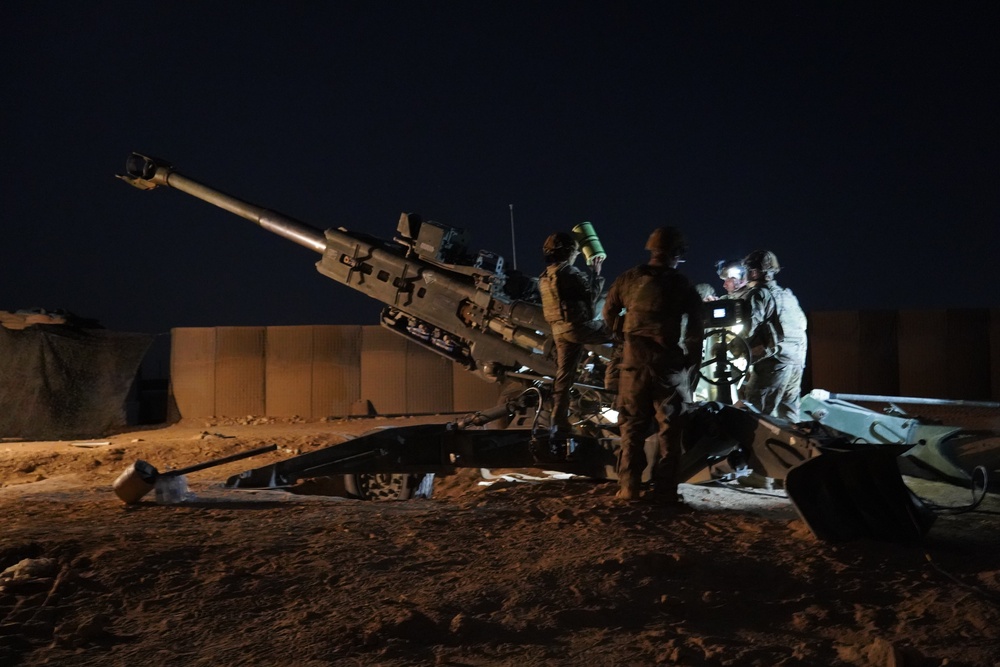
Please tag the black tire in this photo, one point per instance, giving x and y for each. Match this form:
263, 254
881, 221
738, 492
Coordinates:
392, 486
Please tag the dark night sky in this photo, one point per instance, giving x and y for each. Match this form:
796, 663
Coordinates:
860, 144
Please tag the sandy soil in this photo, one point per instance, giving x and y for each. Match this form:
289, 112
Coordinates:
549, 572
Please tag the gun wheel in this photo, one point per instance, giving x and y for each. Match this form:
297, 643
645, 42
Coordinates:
393, 486
725, 369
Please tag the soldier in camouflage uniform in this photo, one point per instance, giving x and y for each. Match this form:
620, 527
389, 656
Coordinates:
663, 334
734, 278
777, 337
568, 299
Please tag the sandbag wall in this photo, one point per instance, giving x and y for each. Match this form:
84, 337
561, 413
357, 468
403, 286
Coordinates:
314, 372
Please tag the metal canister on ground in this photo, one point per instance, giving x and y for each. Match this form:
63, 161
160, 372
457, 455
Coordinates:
137, 480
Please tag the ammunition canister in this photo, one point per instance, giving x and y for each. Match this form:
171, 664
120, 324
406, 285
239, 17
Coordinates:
589, 243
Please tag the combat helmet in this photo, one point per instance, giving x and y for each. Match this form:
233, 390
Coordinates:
731, 269
667, 240
764, 261
559, 246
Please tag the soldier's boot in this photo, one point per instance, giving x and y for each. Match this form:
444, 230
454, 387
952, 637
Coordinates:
561, 442
665, 492
628, 488
667, 499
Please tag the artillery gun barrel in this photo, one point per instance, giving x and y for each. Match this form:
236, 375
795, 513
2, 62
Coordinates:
455, 311
147, 172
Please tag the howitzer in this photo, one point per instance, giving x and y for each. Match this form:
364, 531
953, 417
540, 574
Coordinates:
465, 307
469, 309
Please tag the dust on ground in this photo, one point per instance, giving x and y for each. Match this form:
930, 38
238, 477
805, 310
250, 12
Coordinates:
528, 572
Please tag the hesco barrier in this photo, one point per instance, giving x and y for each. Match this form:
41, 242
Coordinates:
951, 354
314, 372
328, 371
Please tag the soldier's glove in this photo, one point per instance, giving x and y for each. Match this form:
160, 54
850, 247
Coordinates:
735, 348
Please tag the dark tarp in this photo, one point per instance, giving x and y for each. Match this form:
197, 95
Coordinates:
61, 382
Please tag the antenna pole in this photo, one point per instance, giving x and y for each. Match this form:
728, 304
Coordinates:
513, 244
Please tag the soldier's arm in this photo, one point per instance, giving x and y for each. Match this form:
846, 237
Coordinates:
577, 284
757, 304
695, 331
762, 310
613, 306
596, 285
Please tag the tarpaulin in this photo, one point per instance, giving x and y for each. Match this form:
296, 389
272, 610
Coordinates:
60, 382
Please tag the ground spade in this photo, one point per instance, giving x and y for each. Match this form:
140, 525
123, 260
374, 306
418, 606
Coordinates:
142, 477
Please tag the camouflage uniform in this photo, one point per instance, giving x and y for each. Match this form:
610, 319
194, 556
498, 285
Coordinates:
662, 312
741, 293
775, 382
568, 298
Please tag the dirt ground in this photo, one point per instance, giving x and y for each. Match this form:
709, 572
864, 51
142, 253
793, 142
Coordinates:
486, 572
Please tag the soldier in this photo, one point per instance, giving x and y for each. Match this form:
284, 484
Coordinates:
663, 331
568, 299
706, 292
777, 337
734, 278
